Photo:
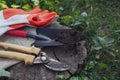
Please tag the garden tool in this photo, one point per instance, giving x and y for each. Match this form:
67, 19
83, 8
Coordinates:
63, 36
43, 40
16, 18
28, 55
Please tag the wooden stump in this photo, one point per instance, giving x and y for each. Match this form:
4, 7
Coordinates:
72, 53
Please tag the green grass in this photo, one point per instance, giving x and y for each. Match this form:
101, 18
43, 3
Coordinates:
99, 20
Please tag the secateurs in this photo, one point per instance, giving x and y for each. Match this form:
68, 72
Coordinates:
28, 55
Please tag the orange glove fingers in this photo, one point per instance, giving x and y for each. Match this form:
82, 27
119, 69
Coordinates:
47, 16
46, 21
35, 10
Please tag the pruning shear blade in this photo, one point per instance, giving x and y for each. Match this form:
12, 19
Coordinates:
51, 63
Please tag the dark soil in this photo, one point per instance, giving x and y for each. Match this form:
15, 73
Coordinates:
71, 38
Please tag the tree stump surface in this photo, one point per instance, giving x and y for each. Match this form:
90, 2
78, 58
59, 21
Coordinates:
72, 53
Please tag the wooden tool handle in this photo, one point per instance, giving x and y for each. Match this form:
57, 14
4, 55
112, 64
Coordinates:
28, 59
24, 49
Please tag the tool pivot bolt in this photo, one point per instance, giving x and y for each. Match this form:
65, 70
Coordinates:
43, 58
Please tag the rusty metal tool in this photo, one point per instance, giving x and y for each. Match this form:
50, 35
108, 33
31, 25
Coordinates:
28, 55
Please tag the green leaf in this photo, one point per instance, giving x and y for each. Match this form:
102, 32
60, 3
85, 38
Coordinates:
110, 52
67, 19
26, 7
4, 73
62, 76
75, 78
96, 45
84, 78
84, 14
103, 65
61, 8
105, 78
14, 6
105, 40
109, 40
102, 40
2, 6
36, 2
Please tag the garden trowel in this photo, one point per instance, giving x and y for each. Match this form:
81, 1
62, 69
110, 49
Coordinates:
42, 39
64, 36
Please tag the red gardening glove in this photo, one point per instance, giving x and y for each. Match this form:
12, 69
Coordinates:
15, 18
42, 19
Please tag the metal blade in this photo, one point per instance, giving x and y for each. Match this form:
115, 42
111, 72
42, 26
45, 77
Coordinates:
52, 33
50, 36
46, 43
51, 63
56, 65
